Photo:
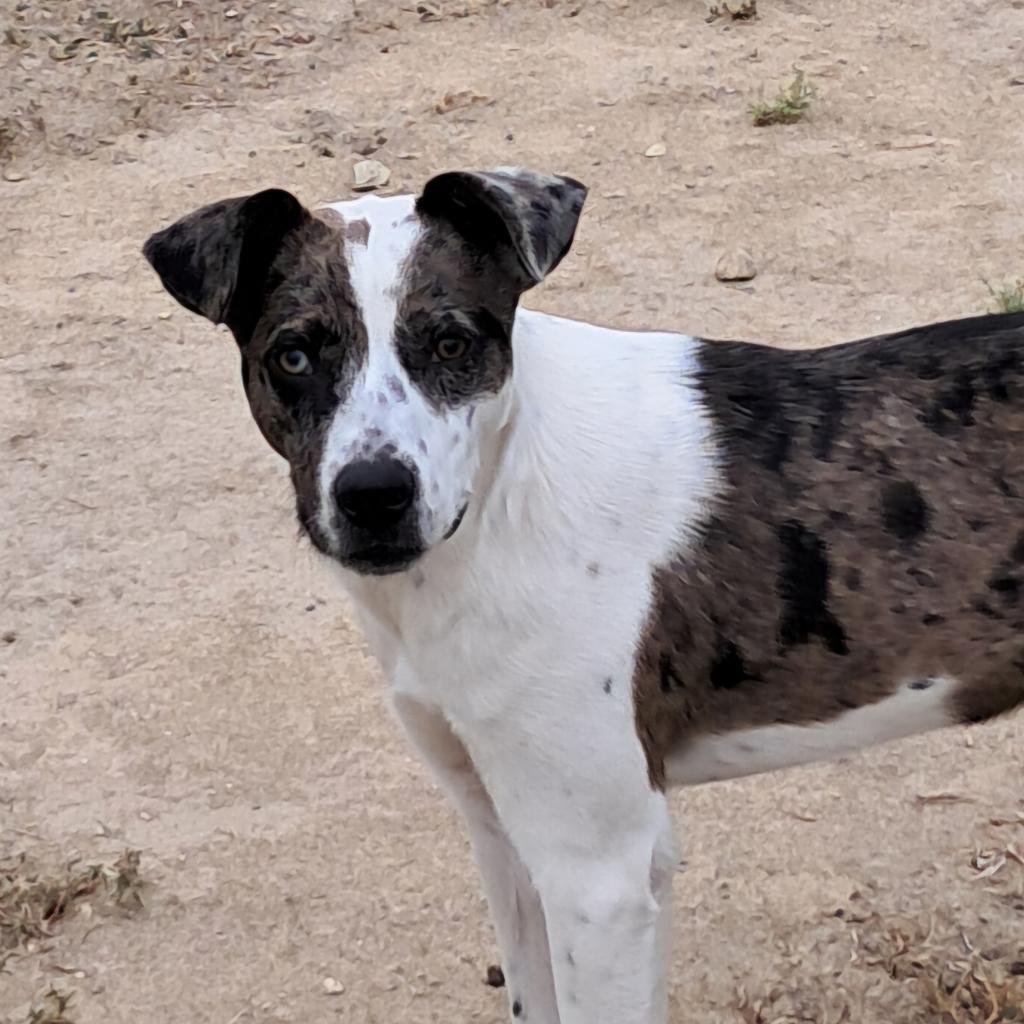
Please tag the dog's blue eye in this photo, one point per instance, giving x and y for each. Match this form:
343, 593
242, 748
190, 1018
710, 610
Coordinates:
295, 362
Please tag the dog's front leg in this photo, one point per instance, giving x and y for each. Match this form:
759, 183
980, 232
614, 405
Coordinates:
511, 897
598, 842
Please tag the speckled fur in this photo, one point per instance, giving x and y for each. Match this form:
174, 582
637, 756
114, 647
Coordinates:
871, 533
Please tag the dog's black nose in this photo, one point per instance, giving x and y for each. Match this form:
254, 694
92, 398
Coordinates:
373, 494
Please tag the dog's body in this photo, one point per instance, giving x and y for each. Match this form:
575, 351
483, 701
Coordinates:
606, 562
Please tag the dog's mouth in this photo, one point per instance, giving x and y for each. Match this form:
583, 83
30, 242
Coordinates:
381, 559
376, 556
456, 522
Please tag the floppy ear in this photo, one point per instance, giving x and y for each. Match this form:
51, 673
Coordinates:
215, 261
529, 217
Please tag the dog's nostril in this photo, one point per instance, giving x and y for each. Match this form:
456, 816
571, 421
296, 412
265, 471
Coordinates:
374, 493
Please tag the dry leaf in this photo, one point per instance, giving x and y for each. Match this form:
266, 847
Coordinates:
459, 101
923, 799
65, 51
988, 862
429, 12
912, 142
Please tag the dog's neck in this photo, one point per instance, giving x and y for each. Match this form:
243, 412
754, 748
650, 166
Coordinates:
590, 426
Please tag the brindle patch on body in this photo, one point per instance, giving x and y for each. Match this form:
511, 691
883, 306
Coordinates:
871, 534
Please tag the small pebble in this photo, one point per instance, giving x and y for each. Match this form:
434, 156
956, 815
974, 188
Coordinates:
736, 265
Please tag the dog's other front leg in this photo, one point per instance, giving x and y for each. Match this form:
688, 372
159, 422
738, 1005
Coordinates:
598, 842
511, 897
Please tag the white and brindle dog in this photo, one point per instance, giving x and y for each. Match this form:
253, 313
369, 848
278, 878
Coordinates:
595, 563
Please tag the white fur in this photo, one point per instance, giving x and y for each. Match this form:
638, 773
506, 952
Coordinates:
383, 407
907, 712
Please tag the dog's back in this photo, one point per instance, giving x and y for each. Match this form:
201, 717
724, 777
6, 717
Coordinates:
867, 549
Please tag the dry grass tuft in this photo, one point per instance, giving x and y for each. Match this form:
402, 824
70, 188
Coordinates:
32, 902
142, 62
52, 1009
1007, 297
790, 106
958, 984
973, 992
736, 10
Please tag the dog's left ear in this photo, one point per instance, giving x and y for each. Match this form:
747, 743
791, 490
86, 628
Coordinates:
529, 217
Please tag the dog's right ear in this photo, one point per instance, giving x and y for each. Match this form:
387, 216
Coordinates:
215, 261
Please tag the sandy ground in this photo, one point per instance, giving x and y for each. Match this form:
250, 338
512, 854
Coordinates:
177, 674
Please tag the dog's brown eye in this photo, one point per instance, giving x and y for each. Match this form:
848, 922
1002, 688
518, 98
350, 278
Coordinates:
295, 362
451, 348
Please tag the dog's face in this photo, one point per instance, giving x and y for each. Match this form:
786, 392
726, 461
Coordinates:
376, 340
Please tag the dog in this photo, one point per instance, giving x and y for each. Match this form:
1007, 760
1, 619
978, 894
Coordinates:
594, 564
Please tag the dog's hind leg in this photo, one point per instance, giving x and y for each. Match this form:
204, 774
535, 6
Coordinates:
511, 897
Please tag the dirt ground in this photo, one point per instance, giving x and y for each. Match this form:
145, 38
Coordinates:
178, 676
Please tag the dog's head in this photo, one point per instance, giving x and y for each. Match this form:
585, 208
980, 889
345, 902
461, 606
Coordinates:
376, 340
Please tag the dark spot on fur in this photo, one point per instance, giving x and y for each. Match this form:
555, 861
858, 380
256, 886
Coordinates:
763, 424
1017, 553
1006, 585
953, 408
570, 959
984, 608
825, 429
669, 680
1005, 487
930, 368
778, 452
495, 976
607, 685
996, 374
593, 569
396, 388
854, 579
422, 445
931, 619
357, 231
802, 584
838, 518
905, 513
922, 684
728, 669
517, 1008
977, 525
